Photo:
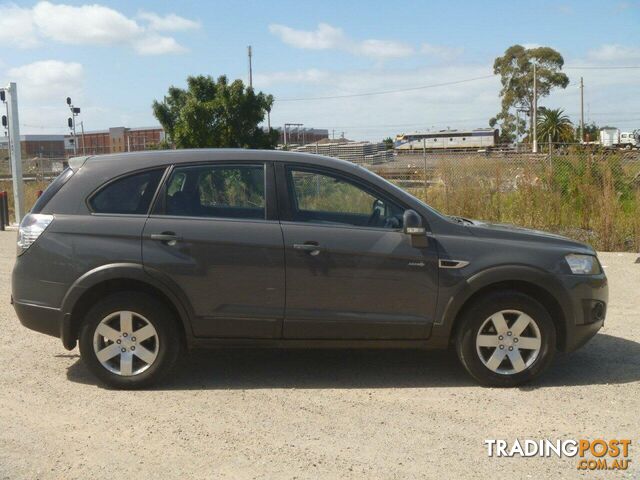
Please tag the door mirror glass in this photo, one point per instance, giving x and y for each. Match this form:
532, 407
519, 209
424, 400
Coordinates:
412, 223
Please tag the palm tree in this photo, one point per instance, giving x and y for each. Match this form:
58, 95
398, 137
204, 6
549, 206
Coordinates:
554, 124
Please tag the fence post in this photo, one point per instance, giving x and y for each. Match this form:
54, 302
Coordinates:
6, 207
424, 159
2, 202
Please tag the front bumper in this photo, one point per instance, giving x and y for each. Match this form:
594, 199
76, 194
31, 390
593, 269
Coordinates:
587, 296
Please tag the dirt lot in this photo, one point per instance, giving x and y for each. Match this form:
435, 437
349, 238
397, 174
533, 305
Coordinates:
322, 414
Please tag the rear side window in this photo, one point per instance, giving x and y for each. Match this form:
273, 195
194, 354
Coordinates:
51, 190
223, 191
128, 195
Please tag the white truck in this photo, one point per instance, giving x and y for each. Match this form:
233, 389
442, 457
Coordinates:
614, 138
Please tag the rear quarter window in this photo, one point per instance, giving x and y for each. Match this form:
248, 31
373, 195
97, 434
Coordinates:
51, 190
127, 195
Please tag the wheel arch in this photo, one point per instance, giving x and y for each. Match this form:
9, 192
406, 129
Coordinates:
533, 282
108, 279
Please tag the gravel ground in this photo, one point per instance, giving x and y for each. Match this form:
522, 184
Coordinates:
312, 414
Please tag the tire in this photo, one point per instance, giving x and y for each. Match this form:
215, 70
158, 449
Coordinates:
496, 356
109, 329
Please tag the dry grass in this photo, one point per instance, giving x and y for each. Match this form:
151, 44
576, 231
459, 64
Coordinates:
31, 190
592, 197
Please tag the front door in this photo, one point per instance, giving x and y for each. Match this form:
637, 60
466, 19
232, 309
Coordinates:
351, 271
212, 238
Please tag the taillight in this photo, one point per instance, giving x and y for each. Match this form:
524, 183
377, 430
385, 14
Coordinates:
31, 227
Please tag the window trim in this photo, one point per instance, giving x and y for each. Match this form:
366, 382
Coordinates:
159, 207
99, 188
287, 198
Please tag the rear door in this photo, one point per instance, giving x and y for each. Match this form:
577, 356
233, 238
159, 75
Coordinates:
351, 271
215, 236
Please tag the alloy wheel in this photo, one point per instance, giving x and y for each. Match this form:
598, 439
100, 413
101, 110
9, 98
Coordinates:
126, 343
508, 342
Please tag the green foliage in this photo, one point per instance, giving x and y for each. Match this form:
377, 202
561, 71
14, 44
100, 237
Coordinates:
388, 143
515, 68
555, 125
591, 132
215, 113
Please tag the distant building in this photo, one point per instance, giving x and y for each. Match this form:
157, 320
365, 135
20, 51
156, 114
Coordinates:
32, 146
119, 139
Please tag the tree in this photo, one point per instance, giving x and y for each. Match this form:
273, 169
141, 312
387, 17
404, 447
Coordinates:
591, 132
215, 114
515, 68
555, 125
388, 143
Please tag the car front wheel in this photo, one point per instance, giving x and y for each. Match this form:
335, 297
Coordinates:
506, 339
129, 340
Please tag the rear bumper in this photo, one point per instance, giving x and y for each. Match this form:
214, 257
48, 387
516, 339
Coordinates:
45, 320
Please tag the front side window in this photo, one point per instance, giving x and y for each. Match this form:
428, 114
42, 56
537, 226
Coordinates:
318, 197
128, 195
226, 191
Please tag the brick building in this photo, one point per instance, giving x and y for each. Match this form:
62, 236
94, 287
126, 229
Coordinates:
119, 139
32, 146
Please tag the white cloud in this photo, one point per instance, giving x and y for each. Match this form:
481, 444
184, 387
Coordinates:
312, 75
169, 23
614, 53
89, 25
531, 46
440, 51
158, 45
327, 37
16, 27
47, 79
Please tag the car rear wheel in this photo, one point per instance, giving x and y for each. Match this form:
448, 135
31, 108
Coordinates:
506, 339
129, 340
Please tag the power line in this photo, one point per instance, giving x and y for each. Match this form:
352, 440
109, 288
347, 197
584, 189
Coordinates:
385, 92
602, 67
444, 84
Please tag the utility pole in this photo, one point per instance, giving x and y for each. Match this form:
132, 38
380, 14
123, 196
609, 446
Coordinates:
581, 110
83, 143
15, 150
75, 111
250, 67
535, 110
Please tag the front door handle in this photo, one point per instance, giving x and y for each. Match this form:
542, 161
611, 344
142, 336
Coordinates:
169, 238
311, 248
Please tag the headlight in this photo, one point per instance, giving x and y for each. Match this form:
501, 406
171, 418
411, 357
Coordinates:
32, 225
583, 264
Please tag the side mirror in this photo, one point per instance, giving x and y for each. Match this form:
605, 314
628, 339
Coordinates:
412, 223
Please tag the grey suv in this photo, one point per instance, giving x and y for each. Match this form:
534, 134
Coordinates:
140, 256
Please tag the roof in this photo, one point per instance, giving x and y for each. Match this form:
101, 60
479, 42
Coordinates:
149, 158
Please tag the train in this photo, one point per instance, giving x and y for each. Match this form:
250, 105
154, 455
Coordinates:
477, 139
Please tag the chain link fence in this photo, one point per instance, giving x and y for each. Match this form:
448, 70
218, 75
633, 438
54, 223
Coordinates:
585, 193
591, 195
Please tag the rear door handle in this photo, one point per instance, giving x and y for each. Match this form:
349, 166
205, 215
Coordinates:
312, 248
168, 238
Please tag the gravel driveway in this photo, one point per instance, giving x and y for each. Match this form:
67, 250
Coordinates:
312, 414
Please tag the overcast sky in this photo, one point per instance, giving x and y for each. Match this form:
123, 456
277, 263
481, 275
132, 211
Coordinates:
115, 58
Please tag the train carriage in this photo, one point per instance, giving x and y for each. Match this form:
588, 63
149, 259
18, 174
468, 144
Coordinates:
480, 138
